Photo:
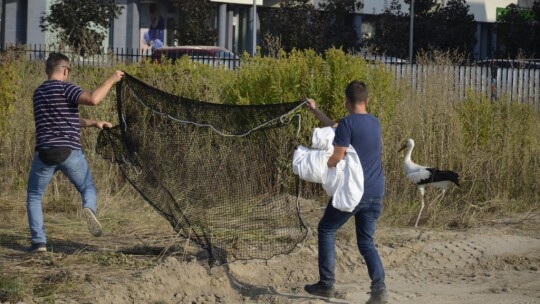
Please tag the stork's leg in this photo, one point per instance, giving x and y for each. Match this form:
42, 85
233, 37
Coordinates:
422, 191
441, 195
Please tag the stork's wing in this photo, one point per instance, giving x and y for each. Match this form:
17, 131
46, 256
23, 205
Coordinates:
436, 175
419, 176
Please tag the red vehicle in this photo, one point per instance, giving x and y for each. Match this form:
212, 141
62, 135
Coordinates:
212, 55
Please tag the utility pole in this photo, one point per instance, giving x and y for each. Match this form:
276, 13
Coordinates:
411, 33
254, 29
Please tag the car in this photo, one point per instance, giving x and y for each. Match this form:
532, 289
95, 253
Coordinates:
377, 58
509, 63
383, 59
212, 55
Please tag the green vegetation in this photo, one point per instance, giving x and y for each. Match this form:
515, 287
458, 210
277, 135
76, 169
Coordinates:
493, 145
11, 289
80, 25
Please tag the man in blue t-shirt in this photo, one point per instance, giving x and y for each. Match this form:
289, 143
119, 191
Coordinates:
362, 131
58, 145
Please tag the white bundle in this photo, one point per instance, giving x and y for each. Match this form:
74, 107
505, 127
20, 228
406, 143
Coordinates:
345, 182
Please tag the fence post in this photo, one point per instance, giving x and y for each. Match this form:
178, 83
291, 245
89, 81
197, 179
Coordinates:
493, 70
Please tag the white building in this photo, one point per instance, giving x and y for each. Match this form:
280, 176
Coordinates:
20, 21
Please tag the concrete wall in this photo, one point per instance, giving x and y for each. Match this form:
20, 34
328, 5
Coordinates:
10, 21
125, 29
33, 31
485, 11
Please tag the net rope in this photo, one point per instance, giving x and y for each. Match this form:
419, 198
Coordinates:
219, 174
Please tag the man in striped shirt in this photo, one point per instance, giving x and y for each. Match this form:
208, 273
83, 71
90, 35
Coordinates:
58, 146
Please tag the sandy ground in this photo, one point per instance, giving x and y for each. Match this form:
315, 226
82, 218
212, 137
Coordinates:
488, 265
495, 262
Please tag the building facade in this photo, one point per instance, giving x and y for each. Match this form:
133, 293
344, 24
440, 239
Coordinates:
136, 28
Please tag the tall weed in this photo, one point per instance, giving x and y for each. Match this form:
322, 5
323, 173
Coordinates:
493, 145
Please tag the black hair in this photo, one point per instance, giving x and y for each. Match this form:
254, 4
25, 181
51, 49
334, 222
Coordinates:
356, 91
54, 60
153, 7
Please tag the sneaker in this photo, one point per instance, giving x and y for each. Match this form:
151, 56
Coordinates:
378, 297
93, 224
319, 289
37, 248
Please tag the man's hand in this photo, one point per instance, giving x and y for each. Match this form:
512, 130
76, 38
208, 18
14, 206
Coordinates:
94, 123
326, 121
116, 76
103, 124
337, 156
311, 104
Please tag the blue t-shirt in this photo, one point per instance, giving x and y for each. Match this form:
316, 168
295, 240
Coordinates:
56, 115
363, 132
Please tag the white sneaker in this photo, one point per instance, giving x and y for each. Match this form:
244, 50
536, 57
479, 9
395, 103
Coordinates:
93, 223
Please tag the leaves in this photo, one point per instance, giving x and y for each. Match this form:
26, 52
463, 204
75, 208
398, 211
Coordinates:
194, 27
518, 32
81, 24
298, 25
436, 27
301, 25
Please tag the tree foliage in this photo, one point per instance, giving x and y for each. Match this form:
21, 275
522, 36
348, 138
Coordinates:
518, 32
195, 25
436, 27
301, 25
298, 24
339, 21
391, 31
81, 24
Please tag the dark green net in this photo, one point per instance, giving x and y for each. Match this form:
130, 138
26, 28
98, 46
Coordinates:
220, 174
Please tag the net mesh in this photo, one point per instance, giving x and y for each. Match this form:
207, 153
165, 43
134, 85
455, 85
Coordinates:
220, 174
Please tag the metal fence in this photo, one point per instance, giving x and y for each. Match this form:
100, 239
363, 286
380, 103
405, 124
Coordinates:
109, 57
514, 80
519, 84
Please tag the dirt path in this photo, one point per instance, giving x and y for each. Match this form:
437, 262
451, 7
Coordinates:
480, 266
496, 262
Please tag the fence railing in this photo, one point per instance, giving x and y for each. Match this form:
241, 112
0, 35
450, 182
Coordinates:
519, 84
514, 80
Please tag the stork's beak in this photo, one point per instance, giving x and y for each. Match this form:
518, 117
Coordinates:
402, 147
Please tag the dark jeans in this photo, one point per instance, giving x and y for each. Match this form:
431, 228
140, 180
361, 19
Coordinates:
365, 215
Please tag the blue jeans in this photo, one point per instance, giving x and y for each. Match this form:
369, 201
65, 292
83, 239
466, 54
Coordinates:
75, 169
365, 215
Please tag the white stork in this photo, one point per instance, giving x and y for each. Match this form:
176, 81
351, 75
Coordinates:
425, 176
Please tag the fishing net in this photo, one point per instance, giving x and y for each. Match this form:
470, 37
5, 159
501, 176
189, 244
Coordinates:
220, 174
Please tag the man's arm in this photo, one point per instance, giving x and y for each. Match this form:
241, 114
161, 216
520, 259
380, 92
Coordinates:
93, 98
94, 123
339, 154
326, 121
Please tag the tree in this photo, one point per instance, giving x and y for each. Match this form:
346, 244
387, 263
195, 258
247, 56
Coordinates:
518, 32
298, 24
195, 26
81, 24
391, 32
448, 28
436, 28
340, 23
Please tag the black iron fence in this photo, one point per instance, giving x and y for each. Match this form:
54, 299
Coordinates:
108, 57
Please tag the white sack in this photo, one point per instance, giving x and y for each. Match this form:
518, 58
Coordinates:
345, 182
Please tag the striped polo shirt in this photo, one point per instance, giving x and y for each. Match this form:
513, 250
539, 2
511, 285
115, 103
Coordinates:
56, 115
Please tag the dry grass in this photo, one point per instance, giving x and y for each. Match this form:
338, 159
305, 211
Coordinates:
495, 146
135, 237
